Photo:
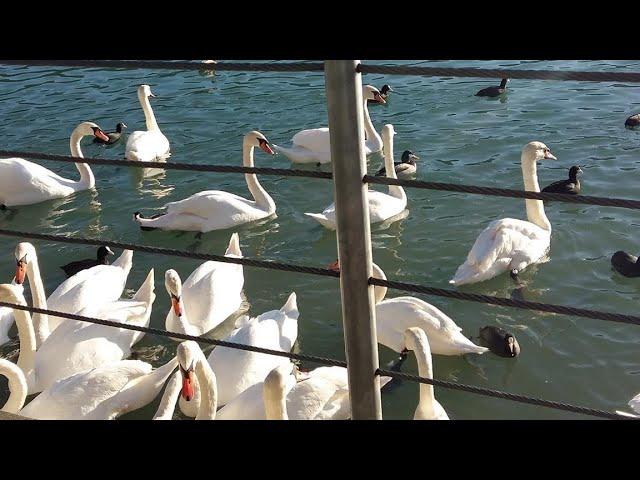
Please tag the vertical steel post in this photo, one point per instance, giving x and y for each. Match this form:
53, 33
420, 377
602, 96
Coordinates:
346, 125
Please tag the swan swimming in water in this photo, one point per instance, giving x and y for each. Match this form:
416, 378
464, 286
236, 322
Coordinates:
510, 244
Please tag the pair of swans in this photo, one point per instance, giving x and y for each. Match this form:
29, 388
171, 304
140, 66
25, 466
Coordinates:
25, 183
214, 209
66, 347
313, 146
148, 145
80, 380
209, 296
239, 370
382, 206
285, 393
395, 315
510, 244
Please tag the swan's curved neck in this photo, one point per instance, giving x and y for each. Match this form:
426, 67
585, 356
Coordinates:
40, 320
208, 390
17, 386
149, 117
260, 195
378, 291
87, 180
390, 169
27, 358
169, 398
373, 140
535, 208
422, 352
275, 401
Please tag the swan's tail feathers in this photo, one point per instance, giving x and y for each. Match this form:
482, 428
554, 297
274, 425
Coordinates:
140, 220
146, 292
322, 220
234, 246
290, 308
124, 261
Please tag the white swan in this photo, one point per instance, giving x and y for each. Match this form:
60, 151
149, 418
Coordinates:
103, 393
78, 346
91, 287
217, 210
6, 318
428, 407
382, 206
510, 244
24, 183
312, 146
237, 370
148, 145
195, 374
208, 297
395, 315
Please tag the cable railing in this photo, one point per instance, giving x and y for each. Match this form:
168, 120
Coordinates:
274, 265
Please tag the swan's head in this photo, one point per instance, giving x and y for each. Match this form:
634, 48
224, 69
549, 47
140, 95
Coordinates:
188, 354
90, 129
388, 130
144, 91
12, 294
173, 284
408, 156
276, 385
416, 339
24, 253
256, 139
370, 92
537, 151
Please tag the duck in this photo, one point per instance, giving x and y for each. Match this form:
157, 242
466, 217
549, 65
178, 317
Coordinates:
511, 244
102, 393
70, 269
494, 91
499, 341
382, 206
77, 346
209, 296
405, 168
93, 287
148, 145
395, 315
384, 93
237, 370
570, 186
114, 137
633, 121
428, 407
27, 183
312, 146
214, 209
626, 264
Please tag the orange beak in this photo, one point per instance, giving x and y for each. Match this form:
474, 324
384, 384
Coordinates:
187, 385
335, 266
101, 135
175, 304
378, 98
21, 271
264, 145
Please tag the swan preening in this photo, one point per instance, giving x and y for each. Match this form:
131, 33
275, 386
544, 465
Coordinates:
510, 244
382, 206
148, 145
209, 296
215, 209
395, 315
25, 183
312, 146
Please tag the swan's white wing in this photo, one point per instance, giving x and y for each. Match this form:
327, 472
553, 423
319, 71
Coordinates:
23, 182
315, 139
249, 405
146, 146
323, 396
76, 397
210, 203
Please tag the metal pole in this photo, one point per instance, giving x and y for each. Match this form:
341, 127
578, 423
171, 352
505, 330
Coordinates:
344, 101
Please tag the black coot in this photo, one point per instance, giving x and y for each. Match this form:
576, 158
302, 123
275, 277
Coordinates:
572, 185
499, 341
74, 267
113, 136
494, 91
405, 168
633, 121
625, 264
